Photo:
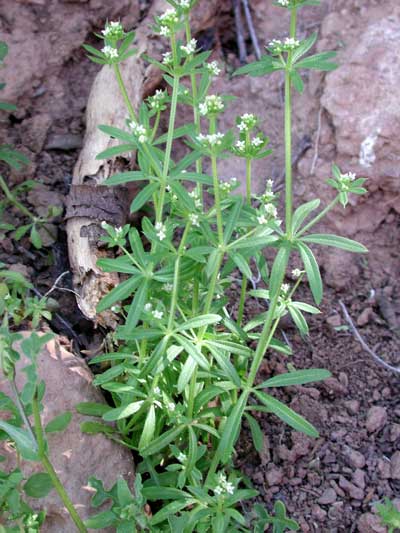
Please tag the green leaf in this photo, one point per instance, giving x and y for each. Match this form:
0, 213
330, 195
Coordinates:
125, 410
38, 485
93, 428
299, 320
164, 493
286, 414
278, 270
297, 82
256, 433
26, 446
265, 65
232, 220
297, 377
137, 306
231, 429
242, 265
144, 196
101, 520
302, 213
312, 270
318, 62
193, 350
92, 408
304, 47
117, 133
338, 242
148, 428
35, 238
59, 423
199, 322
120, 292
187, 129
224, 363
162, 441
126, 177
121, 264
116, 150
170, 509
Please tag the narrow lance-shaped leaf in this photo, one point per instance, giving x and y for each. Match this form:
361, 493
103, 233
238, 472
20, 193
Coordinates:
338, 242
297, 377
312, 270
144, 196
231, 429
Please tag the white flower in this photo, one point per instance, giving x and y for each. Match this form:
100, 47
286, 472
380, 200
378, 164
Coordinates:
350, 176
110, 52
119, 231
161, 230
182, 457
283, 3
115, 308
104, 225
139, 130
211, 140
190, 47
296, 273
271, 210
247, 122
291, 43
218, 490
270, 184
157, 314
185, 4
167, 287
171, 406
262, 220
213, 68
256, 141
240, 145
285, 288
113, 31
212, 104
148, 307
156, 390
167, 58
194, 219
229, 487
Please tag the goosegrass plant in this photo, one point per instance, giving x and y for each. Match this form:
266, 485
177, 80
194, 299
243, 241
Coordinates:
183, 376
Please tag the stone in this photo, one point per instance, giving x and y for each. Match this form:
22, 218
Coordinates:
376, 419
64, 141
352, 490
318, 513
335, 320
395, 465
274, 476
384, 469
359, 478
328, 497
34, 131
353, 457
365, 316
370, 523
353, 406
75, 456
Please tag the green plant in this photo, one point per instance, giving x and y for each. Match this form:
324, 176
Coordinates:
184, 374
389, 515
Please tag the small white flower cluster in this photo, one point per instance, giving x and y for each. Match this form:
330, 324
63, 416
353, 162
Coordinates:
277, 46
224, 486
190, 47
194, 219
119, 231
116, 308
269, 195
182, 457
296, 273
171, 406
167, 59
161, 230
113, 31
148, 307
228, 186
139, 130
346, 179
167, 287
285, 288
268, 212
256, 142
212, 105
247, 122
110, 52
197, 200
213, 68
157, 314
211, 140
167, 22
157, 101
157, 391
283, 3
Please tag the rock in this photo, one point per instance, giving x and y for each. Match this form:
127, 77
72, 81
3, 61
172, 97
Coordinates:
370, 523
41, 197
64, 141
365, 316
394, 432
335, 320
328, 497
384, 468
21, 269
352, 490
376, 419
75, 456
395, 466
334, 387
274, 476
353, 406
359, 478
318, 513
34, 131
353, 457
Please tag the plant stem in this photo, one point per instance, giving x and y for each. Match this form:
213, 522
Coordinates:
50, 469
175, 289
217, 196
318, 217
124, 92
12, 199
244, 279
168, 149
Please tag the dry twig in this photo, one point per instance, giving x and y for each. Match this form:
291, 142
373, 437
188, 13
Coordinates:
364, 345
252, 31
239, 31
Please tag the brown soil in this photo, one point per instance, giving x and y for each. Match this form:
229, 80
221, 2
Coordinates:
328, 483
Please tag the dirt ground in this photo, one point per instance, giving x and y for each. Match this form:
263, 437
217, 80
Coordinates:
329, 484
